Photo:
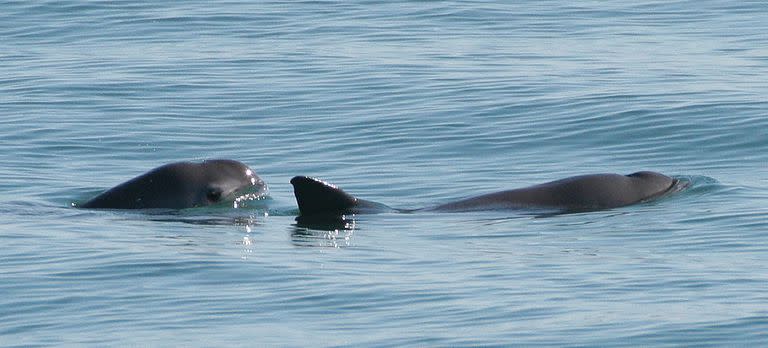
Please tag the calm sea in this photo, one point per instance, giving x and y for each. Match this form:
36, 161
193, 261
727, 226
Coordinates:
406, 103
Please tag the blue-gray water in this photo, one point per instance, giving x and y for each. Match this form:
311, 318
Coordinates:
407, 103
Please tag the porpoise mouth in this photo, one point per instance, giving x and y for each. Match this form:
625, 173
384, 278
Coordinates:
676, 186
254, 193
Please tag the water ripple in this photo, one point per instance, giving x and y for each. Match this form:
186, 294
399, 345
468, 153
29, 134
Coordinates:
407, 103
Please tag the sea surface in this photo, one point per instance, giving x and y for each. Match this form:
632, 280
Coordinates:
408, 103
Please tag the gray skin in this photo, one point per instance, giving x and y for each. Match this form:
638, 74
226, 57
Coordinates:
181, 185
578, 193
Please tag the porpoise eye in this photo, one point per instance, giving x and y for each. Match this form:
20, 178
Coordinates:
213, 195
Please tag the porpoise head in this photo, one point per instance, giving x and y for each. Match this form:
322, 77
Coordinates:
226, 180
651, 184
183, 185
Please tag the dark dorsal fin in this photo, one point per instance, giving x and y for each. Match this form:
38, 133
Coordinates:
317, 197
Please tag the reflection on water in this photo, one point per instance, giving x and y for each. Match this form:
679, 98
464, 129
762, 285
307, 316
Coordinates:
323, 231
247, 243
213, 220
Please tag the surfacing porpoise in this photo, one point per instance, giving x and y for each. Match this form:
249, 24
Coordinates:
182, 185
579, 193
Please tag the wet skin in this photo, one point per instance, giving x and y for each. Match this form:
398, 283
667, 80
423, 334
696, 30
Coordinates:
181, 185
578, 193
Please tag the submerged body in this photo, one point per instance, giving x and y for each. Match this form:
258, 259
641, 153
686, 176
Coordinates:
182, 185
585, 192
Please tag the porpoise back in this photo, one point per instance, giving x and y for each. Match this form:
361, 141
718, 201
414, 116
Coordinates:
585, 192
317, 197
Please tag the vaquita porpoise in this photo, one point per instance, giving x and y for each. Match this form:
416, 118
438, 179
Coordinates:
578, 193
182, 185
